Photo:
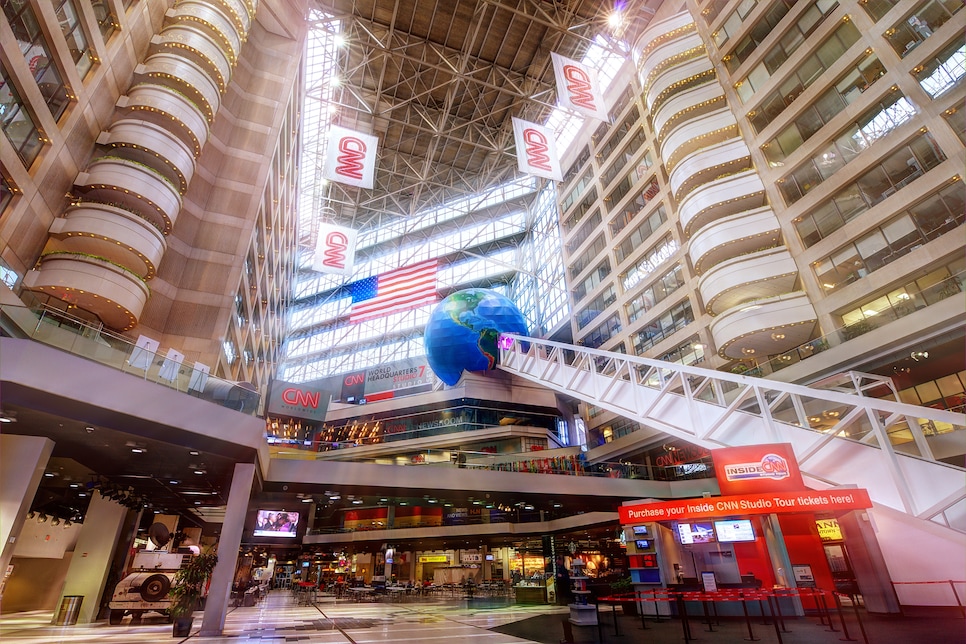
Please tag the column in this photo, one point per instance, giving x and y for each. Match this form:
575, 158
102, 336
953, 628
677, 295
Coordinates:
23, 460
216, 606
868, 563
93, 555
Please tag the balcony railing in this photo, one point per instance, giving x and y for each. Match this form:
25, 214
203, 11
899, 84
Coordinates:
87, 339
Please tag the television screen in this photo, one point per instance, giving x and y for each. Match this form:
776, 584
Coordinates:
643, 544
734, 530
489, 557
640, 529
276, 523
696, 533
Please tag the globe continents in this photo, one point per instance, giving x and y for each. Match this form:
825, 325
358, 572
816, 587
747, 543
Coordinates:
462, 332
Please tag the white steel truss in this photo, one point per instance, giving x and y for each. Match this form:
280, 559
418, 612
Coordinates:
839, 439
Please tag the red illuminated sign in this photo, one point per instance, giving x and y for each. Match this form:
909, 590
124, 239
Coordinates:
757, 468
743, 504
336, 244
578, 84
354, 379
352, 153
301, 398
537, 149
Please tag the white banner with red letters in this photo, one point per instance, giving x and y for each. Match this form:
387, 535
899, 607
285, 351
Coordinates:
536, 150
351, 157
335, 249
577, 87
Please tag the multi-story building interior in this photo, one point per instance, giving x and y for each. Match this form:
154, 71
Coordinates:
777, 194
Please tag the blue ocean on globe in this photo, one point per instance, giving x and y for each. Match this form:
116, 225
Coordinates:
463, 330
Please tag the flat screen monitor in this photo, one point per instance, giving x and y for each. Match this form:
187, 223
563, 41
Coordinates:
489, 557
640, 530
276, 523
734, 530
696, 533
643, 544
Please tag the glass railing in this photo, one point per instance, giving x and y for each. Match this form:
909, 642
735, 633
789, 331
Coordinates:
80, 337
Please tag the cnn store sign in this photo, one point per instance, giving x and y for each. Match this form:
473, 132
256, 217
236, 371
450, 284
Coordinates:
298, 400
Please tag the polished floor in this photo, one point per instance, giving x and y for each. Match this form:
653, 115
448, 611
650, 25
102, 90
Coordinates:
280, 619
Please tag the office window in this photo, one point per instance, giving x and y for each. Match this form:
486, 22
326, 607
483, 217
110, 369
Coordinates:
585, 258
106, 20
634, 207
69, 18
909, 33
596, 306
788, 43
689, 352
878, 8
17, 123
640, 234
6, 194
957, 120
33, 45
584, 231
654, 293
672, 320
591, 281
602, 333
944, 71
652, 259
581, 209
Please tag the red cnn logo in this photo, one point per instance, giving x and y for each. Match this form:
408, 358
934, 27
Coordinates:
352, 154
293, 396
336, 244
578, 84
354, 379
537, 149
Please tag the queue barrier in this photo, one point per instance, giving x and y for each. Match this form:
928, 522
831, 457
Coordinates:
946, 582
770, 597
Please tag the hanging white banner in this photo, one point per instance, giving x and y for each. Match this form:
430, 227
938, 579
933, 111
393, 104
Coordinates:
536, 150
577, 87
335, 250
351, 157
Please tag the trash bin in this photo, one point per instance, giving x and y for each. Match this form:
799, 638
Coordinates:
70, 607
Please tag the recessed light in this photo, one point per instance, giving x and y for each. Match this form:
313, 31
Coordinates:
307, 499
199, 471
194, 452
357, 502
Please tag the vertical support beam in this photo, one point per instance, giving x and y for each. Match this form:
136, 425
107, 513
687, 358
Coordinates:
93, 555
23, 460
216, 606
868, 563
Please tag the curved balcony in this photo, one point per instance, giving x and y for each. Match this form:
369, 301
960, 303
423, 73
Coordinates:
668, 53
213, 20
169, 109
688, 104
739, 280
708, 164
94, 284
721, 198
180, 39
674, 77
135, 187
147, 144
767, 327
696, 133
733, 236
664, 29
181, 75
240, 12
113, 233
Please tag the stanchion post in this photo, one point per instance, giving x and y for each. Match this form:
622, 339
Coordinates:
778, 631
684, 618
639, 600
744, 606
959, 602
845, 629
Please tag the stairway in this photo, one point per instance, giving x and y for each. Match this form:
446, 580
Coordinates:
839, 439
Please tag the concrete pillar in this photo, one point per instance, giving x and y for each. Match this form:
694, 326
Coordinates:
868, 563
216, 606
93, 555
23, 460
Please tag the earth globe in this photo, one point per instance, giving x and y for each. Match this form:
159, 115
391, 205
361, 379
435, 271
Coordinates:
462, 332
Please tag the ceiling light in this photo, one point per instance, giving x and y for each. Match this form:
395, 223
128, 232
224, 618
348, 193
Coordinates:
357, 502
7, 417
194, 452
199, 472
307, 499
335, 497
173, 481
138, 450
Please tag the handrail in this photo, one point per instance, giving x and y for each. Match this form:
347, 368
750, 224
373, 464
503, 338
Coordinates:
62, 330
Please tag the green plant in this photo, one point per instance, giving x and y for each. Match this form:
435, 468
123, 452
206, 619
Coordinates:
189, 584
856, 329
622, 585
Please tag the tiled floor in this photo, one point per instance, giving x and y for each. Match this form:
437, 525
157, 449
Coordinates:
278, 620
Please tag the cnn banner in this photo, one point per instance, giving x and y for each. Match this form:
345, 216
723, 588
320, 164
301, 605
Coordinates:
297, 401
577, 87
351, 157
335, 250
536, 150
757, 468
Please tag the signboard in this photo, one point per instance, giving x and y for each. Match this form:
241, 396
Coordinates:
709, 582
403, 377
757, 468
350, 157
722, 506
297, 401
470, 557
803, 575
335, 249
828, 529
433, 559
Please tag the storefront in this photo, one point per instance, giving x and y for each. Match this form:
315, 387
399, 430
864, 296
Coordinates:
765, 530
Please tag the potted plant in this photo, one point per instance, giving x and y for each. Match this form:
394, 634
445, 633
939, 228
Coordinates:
188, 589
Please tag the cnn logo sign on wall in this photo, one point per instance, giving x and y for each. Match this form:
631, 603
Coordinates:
293, 400
335, 250
351, 157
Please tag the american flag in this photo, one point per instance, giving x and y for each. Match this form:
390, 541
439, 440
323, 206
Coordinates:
398, 290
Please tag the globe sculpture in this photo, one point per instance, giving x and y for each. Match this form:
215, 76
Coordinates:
463, 330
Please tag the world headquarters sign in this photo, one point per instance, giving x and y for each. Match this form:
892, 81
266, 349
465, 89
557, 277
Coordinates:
298, 400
